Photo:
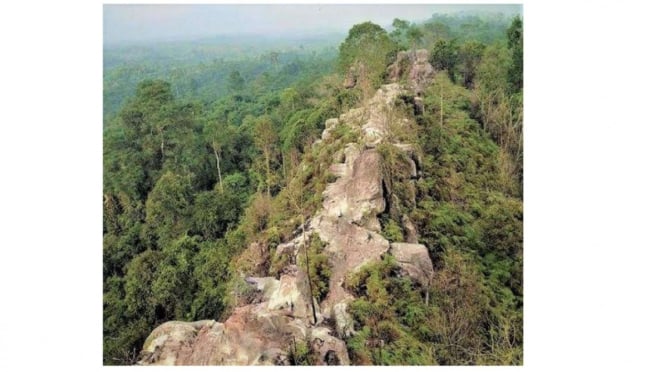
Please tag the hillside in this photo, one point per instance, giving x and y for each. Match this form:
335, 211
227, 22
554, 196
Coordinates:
371, 216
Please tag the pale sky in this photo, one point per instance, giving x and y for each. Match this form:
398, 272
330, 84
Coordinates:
154, 22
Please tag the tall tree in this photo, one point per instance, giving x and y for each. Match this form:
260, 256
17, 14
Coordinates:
218, 138
515, 36
469, 57
266, 139
445, 57
168, 209
367, 45
235, 81
414, 36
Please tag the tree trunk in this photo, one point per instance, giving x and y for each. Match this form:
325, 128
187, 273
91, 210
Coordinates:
441, 106
217, 155
267, 173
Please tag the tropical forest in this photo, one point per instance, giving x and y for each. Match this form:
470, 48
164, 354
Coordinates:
348, 198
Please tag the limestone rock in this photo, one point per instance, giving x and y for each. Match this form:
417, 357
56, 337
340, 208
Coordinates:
414, 260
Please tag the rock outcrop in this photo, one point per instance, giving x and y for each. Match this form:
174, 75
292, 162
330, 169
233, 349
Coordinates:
256, 334
415, 66
281, 316
414, 260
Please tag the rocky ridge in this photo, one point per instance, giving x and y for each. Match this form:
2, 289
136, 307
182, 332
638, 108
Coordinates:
266, 331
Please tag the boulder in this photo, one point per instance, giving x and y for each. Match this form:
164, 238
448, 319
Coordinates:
328, 349
414, 260
411, 235
292, 294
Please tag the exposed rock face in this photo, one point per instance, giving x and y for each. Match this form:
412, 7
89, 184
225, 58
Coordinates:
414, 260
410, 230
419, 71
257, 334
422, 72
263, 332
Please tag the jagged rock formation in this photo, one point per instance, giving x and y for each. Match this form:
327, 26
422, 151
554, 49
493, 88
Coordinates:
264, 332
418, 70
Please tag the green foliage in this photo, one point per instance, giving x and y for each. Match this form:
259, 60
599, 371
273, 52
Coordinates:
368, 45
515, 36
414, 36
319, 267
300, 354
188, 185
392, 231
235, 81
473, 230
485, 28
389, 312
445, 56
168, 209
469, 57
214, 212
210, 271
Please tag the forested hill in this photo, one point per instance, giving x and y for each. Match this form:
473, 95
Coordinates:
201, 70
220, 197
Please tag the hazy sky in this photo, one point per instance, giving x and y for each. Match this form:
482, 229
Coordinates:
152, 22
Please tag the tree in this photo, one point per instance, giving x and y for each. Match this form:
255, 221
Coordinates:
218, 138
515, 36
399, 33
435, 30
445, 57
469, 57
139, 149
501, 111
414, 35
367, 45
215, 211
235, 81
168, 209
266, 139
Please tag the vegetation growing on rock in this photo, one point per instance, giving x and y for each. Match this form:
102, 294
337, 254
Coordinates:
210, 194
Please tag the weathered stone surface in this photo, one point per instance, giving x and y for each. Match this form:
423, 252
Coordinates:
414, 260
292, 294
263, 332
358, 191
411, 235
398, 68
343, 320
417, 67
352, 116
328, 349
350, 247
267, 286
413, 158
421, 73
257, 334
330, 125
350, 78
